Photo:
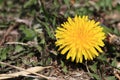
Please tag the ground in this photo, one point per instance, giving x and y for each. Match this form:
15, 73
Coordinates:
27, 39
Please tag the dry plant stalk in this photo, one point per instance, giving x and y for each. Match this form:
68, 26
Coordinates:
23, 72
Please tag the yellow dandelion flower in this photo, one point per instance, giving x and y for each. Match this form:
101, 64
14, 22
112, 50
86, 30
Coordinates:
80, 37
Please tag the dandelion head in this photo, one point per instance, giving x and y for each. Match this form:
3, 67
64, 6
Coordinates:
80, 38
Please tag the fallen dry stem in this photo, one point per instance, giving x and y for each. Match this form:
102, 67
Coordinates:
28, 71
17, 43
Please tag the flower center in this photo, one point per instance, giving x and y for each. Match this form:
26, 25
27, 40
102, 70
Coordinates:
80, 38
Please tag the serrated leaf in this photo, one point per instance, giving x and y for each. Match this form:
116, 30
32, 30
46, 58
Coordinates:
114, 62
30, 54
42, 41
19, 48
95, 76
64, 69
94, 67
102, 57
3, 53
48, 61
62, 63
29, 34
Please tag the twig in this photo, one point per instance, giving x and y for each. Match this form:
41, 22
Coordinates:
25, 70
25, 44
87, 67
29, 43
